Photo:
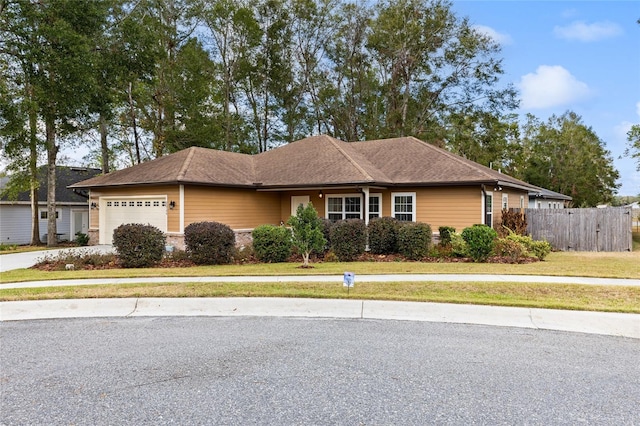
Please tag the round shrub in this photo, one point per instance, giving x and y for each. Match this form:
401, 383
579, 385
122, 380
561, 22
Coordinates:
271, 243
209, 243
138, 245
348, 239
480, 240
383, 235
414, 240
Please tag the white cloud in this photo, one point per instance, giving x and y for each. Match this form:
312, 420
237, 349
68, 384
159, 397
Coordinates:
581, 31
551, 86
501, 38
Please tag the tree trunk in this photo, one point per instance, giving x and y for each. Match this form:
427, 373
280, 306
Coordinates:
52, 153
104, 147
33, 170
135, 127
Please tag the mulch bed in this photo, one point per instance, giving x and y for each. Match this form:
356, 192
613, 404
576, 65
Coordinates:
111, 261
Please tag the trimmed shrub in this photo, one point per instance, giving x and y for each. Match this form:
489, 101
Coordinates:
209, 243
414, 240
512, 250
480, 240
512, 221
445, 234
348, 239
326, 232
383, 235
138, 245
271, 243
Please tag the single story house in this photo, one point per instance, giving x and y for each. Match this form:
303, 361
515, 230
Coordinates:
405, 178
72, 209
547, 199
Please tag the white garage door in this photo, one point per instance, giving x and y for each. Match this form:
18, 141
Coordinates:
145, 210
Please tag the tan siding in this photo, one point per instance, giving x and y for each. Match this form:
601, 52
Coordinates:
172, 192
314, 198
513, 202
238, 208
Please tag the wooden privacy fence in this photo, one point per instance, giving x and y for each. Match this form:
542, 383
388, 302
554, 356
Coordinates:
607, 229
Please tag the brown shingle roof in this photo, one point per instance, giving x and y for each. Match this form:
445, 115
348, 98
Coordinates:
314, 161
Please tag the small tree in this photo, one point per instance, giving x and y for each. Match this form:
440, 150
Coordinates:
307, 232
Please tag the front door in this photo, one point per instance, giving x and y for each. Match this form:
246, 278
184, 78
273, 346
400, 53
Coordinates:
80, 222
296, 200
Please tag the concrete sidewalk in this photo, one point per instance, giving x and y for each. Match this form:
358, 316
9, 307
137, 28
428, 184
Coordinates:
332, 278
613, 324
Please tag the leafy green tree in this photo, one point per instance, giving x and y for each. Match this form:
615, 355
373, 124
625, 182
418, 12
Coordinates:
53, 42
566, 156
433, 64
633, 148
307, 231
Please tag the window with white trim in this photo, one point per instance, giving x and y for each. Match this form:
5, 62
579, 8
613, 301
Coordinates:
488, 209
341, 207
403, 206
505, 201
375, 206
522, 201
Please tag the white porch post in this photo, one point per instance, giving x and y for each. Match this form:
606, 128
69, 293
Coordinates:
365, 208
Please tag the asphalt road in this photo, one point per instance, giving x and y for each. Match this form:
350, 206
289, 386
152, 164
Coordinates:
283, 371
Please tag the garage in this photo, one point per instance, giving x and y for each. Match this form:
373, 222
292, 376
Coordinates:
114, 212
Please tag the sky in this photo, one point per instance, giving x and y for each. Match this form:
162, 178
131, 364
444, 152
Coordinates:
580, 56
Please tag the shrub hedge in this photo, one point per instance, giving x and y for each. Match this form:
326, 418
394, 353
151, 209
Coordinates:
209, 243
414, 240
272, 244
348, 239
138, 245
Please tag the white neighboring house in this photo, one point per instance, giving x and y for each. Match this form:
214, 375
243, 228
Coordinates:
72, 207
547, 199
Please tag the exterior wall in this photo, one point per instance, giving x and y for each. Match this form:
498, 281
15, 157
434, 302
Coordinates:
15, 223
546, 203
172, 192
240, 209
513, 202
458, 207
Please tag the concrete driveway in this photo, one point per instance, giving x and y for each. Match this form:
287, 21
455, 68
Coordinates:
9, 262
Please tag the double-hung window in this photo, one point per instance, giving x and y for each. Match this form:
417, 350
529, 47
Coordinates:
403, 206
375, 206
344, 207
488, 209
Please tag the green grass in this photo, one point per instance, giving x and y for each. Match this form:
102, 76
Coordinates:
576, 264
551, 296
532, 295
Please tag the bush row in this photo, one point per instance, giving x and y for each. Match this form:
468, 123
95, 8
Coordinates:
141, 245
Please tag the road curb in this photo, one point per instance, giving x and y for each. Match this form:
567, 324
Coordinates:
612, 324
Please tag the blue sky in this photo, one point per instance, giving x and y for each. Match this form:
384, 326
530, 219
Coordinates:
582, 56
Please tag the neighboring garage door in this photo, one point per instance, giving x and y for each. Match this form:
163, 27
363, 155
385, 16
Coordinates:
151, 210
